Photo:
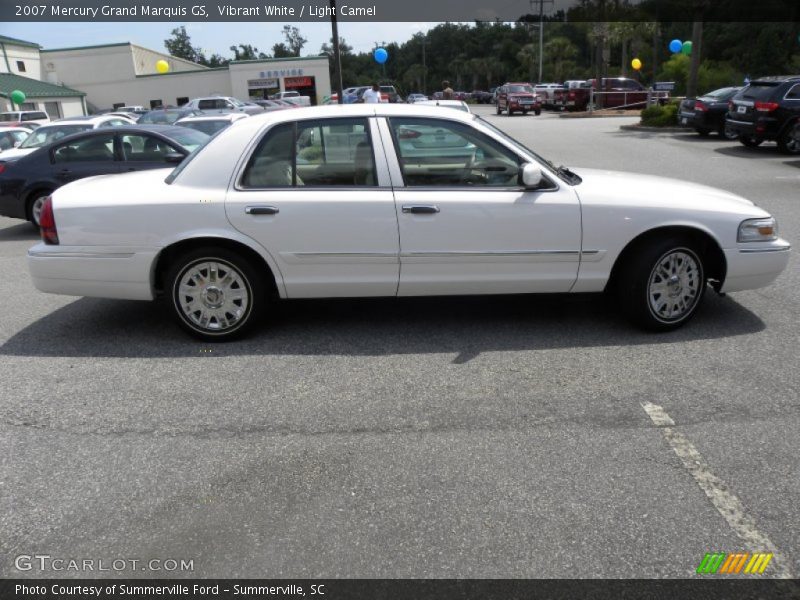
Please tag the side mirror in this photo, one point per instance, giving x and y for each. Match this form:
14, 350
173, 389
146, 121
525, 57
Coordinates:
530, 175
174, 157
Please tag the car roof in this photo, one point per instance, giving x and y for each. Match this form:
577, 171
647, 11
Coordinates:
223, 116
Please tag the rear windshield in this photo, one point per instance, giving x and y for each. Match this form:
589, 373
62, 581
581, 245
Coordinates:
760, 90
723, 94
45, 135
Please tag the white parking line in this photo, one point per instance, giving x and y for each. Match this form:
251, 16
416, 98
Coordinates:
723, 499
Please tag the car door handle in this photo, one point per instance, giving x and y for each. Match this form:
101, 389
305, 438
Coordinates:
421, 209
261, 210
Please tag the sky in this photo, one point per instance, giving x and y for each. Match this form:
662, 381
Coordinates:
210, 37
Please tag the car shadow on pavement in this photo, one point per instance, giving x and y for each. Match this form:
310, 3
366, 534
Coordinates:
793, 163
740, 151
465, 326
17, 233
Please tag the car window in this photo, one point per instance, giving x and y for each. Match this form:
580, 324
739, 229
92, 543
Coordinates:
47, 135
759, 90
325, 152
145, 148
794, 93
436, 152
96, 148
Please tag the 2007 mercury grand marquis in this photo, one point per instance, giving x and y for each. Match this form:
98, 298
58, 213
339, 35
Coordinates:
385, 200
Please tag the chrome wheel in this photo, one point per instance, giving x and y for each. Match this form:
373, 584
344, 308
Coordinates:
673, 288
212, 296
36, 208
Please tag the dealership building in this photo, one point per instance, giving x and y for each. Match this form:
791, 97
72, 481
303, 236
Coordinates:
113, 75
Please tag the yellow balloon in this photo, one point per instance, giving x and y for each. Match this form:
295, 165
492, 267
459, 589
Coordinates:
162, 66
636, 64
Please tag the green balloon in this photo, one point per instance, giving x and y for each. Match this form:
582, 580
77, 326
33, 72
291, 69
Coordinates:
686, 48
18, 97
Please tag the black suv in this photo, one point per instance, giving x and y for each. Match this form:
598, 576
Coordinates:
768, 109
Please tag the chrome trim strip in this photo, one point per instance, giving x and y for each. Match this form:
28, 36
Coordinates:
499, 253
741, 122
343, 254
760, 250
80, 254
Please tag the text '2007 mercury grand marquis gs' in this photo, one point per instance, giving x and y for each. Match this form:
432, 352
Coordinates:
393, 200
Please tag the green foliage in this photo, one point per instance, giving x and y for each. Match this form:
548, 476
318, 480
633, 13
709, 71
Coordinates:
660, 116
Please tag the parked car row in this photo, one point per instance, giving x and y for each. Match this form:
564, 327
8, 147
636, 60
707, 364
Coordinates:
767, 109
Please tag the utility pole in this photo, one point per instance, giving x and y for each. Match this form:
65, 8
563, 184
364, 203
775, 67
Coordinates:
337, 59
424, 66
541, 33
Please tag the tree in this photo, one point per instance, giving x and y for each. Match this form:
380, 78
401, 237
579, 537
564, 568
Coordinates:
560, 53
294, 41
281, 51
180, 45
344, 48
247, 52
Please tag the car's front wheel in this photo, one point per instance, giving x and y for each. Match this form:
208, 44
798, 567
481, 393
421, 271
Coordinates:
661, 285
789, 140
498, 109
726, 132
215, 294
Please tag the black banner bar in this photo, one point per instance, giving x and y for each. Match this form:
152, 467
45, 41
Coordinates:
705, 588
395, 10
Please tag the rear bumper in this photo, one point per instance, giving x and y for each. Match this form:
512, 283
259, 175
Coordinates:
760, 130
755, 266
93, 271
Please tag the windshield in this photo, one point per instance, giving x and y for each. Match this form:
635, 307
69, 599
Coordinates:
191, 139
520, 88
45, 135
236, 102
557, 170
207, 127
161, 116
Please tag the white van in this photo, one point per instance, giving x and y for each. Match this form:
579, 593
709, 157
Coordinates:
24, 117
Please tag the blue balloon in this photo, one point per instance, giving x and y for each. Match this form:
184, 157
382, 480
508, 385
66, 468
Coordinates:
675, 46
381, 55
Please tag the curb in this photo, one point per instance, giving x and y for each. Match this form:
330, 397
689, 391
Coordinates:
638, 127
596, 115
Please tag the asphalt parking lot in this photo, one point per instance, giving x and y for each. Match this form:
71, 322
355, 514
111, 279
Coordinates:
441, 437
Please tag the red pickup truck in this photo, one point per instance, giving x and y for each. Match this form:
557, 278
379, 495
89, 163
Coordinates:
612, 92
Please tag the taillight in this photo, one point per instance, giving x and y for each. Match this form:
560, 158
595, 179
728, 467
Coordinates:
730, 105
766, 106
571, 95
47, 223
2, 167
407, 134
700, 106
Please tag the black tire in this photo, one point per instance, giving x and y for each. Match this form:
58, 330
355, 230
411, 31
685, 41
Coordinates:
750, 142
789, 139
247, 282
703, 132
726, 132
525, 113
31, 211
498, 109
638, 281
537, 112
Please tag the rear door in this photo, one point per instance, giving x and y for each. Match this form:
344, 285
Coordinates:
317, 195
85, 157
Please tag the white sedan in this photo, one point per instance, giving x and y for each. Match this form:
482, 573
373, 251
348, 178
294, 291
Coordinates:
371, 200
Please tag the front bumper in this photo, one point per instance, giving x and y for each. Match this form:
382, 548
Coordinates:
122, 273
753, 266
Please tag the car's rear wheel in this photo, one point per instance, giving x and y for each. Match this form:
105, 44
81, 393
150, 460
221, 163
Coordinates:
215, 294
789, 140
537, 112
498, 109
661, 285
703, 132
35, 204
749, 141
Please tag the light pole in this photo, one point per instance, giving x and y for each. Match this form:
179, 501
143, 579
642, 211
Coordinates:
337, 59
541, 34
